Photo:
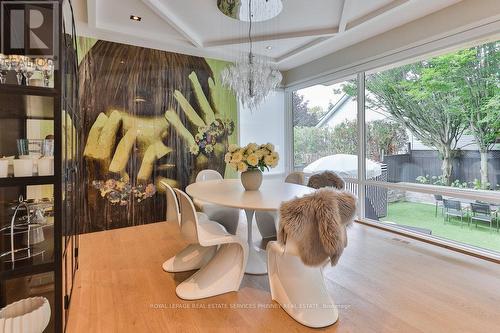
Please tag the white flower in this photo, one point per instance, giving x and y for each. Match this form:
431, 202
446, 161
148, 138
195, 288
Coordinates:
237, 157
270, 147
194, 149
227, 157
233, 166
242, 167
233, 147
253, 160
269, 160
209, 148
251, 147
260, 153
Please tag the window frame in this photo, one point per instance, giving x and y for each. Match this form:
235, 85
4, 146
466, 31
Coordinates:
361, 181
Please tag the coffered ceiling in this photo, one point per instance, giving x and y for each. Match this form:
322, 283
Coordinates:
305, 30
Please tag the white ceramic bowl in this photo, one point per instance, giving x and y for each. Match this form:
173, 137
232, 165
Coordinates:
29, 315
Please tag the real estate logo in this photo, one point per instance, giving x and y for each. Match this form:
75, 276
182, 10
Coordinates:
29, 28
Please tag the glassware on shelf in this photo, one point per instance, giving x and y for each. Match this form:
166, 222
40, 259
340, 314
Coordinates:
48, 147
4, 68
46, 67
28, 69
25, 68
32, 147
16, 64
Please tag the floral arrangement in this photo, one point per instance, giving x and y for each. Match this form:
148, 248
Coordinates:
119, 192
208, 136
252, 157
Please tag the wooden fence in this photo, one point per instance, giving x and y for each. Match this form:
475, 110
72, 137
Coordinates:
466, 166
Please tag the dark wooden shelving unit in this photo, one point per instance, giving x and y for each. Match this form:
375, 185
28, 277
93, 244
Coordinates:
27, 270
15, 89
26, 181
18, 106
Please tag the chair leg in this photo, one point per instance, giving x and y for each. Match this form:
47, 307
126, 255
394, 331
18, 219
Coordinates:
193, 256
221, 275
266, 223
299, 289
436, 214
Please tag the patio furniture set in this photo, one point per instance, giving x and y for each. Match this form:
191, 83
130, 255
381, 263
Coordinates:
468, 211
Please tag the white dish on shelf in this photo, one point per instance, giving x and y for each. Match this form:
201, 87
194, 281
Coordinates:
46, 166
4, 168
29, 315
23, 168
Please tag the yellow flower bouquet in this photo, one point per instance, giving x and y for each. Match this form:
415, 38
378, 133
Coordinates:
252, 156
251, 161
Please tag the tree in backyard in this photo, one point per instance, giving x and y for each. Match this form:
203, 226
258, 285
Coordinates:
311, 143
318, 111
428, 108
301, 114
345, 138
385, 138
478, 80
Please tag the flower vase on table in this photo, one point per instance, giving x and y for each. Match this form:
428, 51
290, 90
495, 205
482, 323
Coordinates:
251, 161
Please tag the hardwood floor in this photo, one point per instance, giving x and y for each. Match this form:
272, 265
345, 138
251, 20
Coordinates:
383, 283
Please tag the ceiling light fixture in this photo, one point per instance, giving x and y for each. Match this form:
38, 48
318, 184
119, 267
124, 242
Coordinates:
269, 47
261, 10
135, 18
252, 78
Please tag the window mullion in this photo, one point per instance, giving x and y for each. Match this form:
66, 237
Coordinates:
361, 143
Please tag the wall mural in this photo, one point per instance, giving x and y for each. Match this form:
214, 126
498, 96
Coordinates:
149, 117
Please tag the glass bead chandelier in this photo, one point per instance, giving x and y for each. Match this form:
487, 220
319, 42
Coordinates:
252, 77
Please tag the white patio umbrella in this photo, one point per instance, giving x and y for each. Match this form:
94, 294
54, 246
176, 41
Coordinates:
344, 165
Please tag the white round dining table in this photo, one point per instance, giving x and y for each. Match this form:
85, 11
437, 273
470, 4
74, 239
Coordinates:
230, 193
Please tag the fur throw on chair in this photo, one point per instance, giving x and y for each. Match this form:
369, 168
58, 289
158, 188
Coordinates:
326, 179
317, 222
295, 178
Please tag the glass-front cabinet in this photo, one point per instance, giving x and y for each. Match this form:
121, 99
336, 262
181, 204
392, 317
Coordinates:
39, 178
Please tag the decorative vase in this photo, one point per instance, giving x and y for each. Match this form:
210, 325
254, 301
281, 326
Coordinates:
29, 315
251, 179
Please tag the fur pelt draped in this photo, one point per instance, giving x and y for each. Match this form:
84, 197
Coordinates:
326, 179
317, 222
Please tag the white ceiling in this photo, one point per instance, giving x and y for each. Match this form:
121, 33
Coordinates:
304, 31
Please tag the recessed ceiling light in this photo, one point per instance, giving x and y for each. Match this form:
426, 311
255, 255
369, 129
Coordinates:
269, 47
135, 18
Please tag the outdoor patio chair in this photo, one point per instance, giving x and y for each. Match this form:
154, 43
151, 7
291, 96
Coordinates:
481, 212
439, 203
453, 208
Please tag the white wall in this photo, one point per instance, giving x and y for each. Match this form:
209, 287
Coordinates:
266, 124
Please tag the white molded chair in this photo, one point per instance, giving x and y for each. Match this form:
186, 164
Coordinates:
228, 217
224, 272
267, 222
193, 256
299, 289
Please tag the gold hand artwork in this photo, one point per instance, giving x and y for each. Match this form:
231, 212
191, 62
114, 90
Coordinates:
148, 134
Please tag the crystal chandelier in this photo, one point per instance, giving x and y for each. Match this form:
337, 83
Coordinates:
252, 78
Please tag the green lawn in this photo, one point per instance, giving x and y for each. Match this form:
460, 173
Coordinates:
422, 216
